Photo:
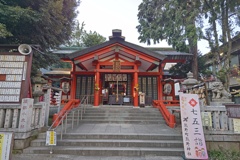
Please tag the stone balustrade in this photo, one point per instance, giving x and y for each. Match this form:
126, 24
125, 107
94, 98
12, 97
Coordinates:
13, 119
219, 117
24, 120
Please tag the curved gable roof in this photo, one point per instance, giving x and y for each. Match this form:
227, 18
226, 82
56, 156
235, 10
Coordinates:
117, 39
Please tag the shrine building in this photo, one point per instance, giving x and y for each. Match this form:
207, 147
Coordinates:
117, 72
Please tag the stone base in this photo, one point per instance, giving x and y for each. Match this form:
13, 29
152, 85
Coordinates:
20, 144
223, 146
220, 102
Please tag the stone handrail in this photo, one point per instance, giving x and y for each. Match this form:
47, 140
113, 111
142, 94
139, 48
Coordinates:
22, 120
220, 120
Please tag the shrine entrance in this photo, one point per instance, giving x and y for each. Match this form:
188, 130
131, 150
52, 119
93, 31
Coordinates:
116, 72
116, 89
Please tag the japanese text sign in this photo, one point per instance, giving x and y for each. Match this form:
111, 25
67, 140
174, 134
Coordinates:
6, 140
51, 138
192, 131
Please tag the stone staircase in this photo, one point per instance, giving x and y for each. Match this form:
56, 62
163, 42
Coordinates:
115, 131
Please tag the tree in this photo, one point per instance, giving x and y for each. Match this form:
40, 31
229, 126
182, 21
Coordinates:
81, 38
173, 20
46, 23
223, 16
77, 35
182, 69
92, 39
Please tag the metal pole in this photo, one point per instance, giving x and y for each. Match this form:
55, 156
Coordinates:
66, 124
84, 109
81, 112
61, 130
78, 117
73, 119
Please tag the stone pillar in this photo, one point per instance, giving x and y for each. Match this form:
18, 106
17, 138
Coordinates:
26, 115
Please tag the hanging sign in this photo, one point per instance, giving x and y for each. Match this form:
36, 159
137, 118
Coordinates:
192, 130
116, 66
236, 125
206, 119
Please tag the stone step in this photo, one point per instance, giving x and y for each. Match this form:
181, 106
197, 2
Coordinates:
117, 121
106, 151
113, 143
121, 111
114, 131
117, 117
117, 136
78, 157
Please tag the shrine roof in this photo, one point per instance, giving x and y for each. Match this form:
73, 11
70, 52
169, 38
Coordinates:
119, 41
172, 54
117, 38
58, 72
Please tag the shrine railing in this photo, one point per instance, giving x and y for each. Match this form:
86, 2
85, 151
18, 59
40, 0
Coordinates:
72, 107
167, 115
23, 118
57, 118
216, 119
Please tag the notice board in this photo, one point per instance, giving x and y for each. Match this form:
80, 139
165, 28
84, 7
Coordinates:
15, 70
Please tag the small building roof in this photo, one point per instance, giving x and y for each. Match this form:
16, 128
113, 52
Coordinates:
58, 72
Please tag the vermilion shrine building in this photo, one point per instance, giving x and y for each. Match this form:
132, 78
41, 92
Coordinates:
116, 71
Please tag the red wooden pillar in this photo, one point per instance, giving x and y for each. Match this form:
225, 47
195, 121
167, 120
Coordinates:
97, 87
73, 83
135, 90
160, 86
173, 90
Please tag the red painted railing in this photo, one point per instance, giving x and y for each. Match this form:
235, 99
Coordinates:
72, 103
162, 106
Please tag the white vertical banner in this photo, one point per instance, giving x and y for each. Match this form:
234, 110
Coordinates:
192, 130
6, 140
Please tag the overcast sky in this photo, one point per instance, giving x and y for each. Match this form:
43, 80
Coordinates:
103, 16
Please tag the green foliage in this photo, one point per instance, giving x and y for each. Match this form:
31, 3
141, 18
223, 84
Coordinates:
221, 75
224, 155
181, 69
3, 31
176, 21
47, 23
76, 36
82, 38
172, 20
62, 65
92, 39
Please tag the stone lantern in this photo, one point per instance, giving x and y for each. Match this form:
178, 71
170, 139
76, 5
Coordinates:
189, 82
37, 85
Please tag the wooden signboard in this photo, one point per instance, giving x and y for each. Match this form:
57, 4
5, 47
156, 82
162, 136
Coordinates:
15, 71
116, 66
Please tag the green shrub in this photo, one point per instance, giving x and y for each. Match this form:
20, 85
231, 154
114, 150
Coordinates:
223, 155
